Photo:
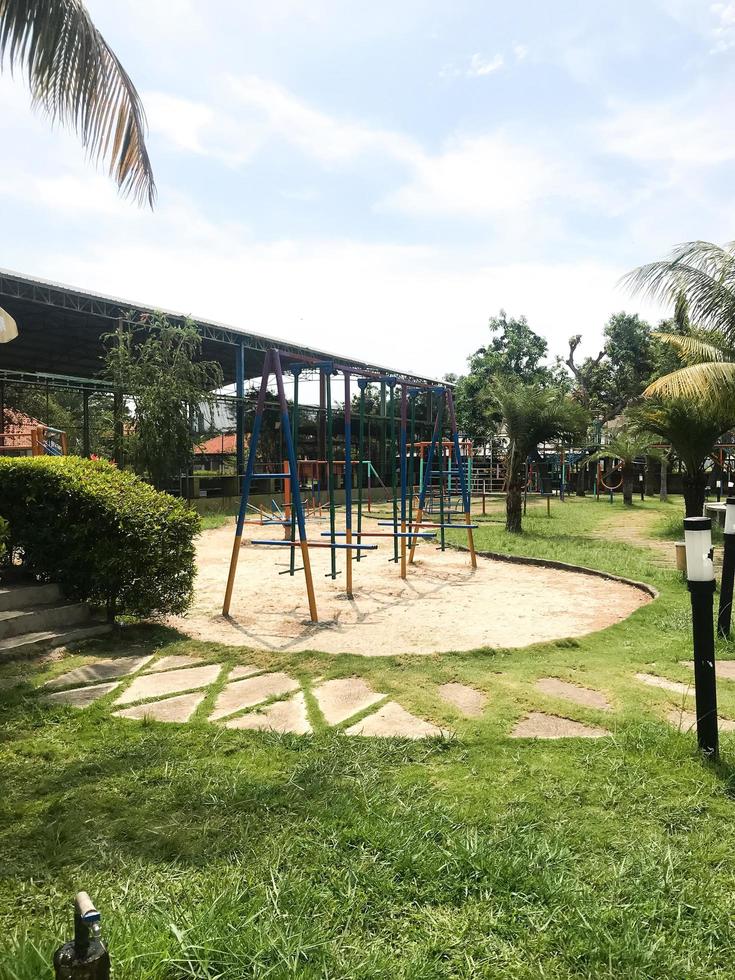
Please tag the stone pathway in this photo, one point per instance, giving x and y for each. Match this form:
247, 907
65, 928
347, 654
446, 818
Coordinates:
724, 669
686, 721
251, 699
468, 700
173, 689
394, 721
540, 725
102, 670
665, 684
557, 688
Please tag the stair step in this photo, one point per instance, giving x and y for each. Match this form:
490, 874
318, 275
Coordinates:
27, 595
31, 644
40, 619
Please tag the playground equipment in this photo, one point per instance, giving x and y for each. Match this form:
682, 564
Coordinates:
21, 435
406, 530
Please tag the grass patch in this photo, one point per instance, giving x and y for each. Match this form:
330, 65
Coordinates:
226, 854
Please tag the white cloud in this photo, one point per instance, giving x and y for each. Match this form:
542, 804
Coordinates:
316, 133
474, 176
520, 52
724, 30
675, 132
480, 66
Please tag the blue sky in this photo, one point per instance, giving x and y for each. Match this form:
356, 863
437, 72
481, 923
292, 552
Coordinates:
379, 178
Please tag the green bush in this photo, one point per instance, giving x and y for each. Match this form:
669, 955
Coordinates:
103, 535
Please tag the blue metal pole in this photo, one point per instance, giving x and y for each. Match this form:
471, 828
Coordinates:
247, 480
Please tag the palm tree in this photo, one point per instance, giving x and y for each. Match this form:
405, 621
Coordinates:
628, 444
698, 278
531, 415
78, 80
691, 428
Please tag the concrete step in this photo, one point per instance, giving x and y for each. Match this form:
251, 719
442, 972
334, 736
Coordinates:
25, 595
41, 619
32, 644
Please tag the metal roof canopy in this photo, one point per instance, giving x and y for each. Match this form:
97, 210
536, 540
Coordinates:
60, 332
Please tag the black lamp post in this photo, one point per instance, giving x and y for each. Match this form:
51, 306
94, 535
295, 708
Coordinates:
728, 570
701, 581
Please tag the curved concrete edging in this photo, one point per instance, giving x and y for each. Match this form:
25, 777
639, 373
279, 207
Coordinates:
563, 566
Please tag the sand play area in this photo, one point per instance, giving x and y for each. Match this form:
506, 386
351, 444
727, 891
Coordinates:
443, 606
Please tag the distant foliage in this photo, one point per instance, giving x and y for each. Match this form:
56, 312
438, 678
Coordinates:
103, 535
157, 364
515, 352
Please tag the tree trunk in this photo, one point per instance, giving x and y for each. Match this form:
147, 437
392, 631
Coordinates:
694, 494
516, 478
628, 474
663, 494
581, 480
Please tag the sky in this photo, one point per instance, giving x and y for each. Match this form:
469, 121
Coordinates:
380, 178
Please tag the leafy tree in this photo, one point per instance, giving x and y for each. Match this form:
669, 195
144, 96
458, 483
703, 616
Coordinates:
530, 414
159, 368
514, 352
77, 79
692, 428
605, 384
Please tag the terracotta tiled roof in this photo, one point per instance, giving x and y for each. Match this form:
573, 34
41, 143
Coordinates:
223, 445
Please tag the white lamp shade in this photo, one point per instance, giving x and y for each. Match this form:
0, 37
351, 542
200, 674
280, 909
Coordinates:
8, 327
730, 516
698, 541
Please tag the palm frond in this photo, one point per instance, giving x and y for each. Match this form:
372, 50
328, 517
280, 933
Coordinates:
703, 272
693, 349
75, 76
712, 381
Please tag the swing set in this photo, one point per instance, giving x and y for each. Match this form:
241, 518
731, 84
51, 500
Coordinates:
406, 529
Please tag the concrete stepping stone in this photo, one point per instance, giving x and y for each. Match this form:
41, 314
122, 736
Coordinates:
723, 668
341, 698
539, 725
252, 691
393, 721
100, 670
81, 697
282, 716
653, 681
170, 682
180, 708
468, 700
687, 721
172, 662
557, 688
241, 670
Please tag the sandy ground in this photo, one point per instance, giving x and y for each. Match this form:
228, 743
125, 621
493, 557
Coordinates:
443, 606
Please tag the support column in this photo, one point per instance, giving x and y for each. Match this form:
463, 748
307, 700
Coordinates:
240, 409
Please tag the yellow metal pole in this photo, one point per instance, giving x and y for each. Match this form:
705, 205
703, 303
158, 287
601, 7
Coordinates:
417, 524
231, 576
309, 581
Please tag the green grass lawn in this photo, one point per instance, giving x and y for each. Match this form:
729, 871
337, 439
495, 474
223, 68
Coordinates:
226, 854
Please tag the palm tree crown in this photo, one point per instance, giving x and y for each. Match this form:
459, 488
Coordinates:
76, 77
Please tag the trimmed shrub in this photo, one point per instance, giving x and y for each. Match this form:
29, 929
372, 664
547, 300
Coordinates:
102, 534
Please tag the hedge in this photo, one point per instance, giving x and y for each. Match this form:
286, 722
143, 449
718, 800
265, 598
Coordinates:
102, 534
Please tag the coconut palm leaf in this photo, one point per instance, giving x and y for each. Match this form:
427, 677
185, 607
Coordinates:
714, 381
704, 273
694, 349
75, 77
